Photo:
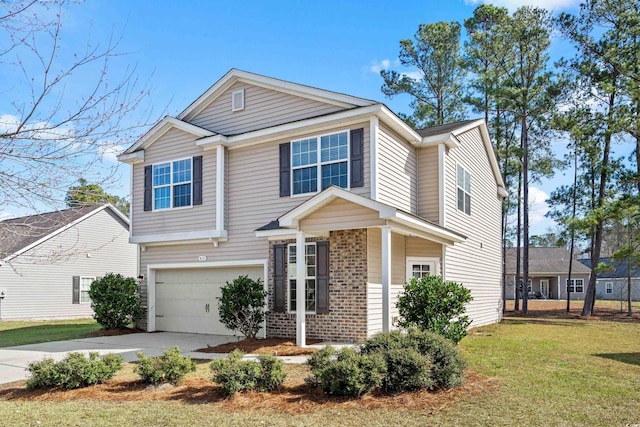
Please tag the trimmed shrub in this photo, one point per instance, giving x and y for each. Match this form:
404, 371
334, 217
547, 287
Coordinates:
318, 362
235, 375
433, 304
171, 367
446, 364
350, 374
241, 306
115, 301
74, 371
407, 370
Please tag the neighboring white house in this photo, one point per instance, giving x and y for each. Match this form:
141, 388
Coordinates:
613, 283
258, 171
49, 260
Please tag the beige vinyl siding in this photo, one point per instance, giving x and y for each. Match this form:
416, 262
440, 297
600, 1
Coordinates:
417, 247
341, 214
475, 262
39, 283
174, 145
428, 184
263, 108
397, 171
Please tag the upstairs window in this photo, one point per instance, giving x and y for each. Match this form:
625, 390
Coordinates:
320, 162
464, 190
172, 184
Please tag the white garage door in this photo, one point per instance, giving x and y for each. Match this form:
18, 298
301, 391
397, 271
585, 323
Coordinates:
187, 300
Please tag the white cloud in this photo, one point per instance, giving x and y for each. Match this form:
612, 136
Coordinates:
538, 206
514, 4
5, 215
415, 75
376, 66
110, 152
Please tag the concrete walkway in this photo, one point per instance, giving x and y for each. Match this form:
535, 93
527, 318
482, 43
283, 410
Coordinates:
14, 360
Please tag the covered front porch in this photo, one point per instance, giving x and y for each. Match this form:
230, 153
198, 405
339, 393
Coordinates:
368, 250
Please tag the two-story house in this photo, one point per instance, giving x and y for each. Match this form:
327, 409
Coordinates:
332, 200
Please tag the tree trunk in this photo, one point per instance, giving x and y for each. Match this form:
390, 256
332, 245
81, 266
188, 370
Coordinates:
573, 217
525, 225
516, 285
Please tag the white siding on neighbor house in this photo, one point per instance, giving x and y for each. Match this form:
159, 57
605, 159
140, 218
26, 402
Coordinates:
620, 289
475, 262
397, 171
428, 184
175, 144
39, 283
263, 108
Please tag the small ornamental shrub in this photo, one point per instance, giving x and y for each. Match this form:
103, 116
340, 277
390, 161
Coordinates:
350, 374
318, 362
74, 371
447, 365
433, 304
115, 301
241, 306
236, 375
407, 370
171, 367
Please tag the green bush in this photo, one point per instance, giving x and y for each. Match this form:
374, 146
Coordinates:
241, 306
74, 371
115, 301
235, 375
433, 304
171, 367
446, 364
407, 370
350, 374
318, 362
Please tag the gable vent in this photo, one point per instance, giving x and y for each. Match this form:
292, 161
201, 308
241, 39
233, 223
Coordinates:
237, 100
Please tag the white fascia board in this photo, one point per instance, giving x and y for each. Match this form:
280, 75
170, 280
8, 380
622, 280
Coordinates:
468, 127
309, 92
212, 264
132, 158
484, 131
398, 125
448, 139
162, 127
200, 236
429, 228
211, 142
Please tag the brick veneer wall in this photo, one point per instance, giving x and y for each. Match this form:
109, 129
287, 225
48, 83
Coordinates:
347, 317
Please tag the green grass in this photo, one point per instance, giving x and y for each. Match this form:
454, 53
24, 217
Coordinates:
560, 372
32, 332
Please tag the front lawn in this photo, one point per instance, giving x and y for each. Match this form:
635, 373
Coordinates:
32, 332
525, 371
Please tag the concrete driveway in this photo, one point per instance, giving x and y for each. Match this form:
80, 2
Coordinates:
14, 360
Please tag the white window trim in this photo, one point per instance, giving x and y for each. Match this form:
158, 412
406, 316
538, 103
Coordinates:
92, 278
422, 260
463, 189
171, 185
234, 107
319, 163
529, 286
572, 286
608, 288
289, 246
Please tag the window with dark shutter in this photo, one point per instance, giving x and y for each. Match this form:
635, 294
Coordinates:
197, 180
285, 169
148, 188
76, 290
322, 277
279, 279
357, 158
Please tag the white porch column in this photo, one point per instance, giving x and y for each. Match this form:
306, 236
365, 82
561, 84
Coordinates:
220, 196
300, 290
386, 278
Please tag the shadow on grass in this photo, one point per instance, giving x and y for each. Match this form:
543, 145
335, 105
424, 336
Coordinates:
630, 358
45, 333
521, 320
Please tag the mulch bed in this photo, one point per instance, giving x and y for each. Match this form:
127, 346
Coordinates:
272, 346
557, 309
294, 397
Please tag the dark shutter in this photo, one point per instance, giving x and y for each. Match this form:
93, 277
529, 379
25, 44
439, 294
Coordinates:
197, 180
280, 286
322, 277
357, 158
148, 188
76, 290
285, 169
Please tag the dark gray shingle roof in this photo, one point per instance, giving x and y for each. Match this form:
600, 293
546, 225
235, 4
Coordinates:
447, 128
619, 269
18, 233
546, 260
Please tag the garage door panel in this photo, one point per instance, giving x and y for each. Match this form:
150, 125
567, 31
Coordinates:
182, 295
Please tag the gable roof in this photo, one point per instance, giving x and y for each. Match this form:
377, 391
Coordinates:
620, 269
444, 129
234, 75
546, 261
20, 234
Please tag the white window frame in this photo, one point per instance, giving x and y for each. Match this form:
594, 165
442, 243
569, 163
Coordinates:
81, 288
608, 288
171, 185
319, 163
573, 284
290, 277
410, 261
464, 191
529, 286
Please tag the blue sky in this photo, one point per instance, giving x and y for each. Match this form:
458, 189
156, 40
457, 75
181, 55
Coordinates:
183, 47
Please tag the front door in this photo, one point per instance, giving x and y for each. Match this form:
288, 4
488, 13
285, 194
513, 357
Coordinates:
544, 288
